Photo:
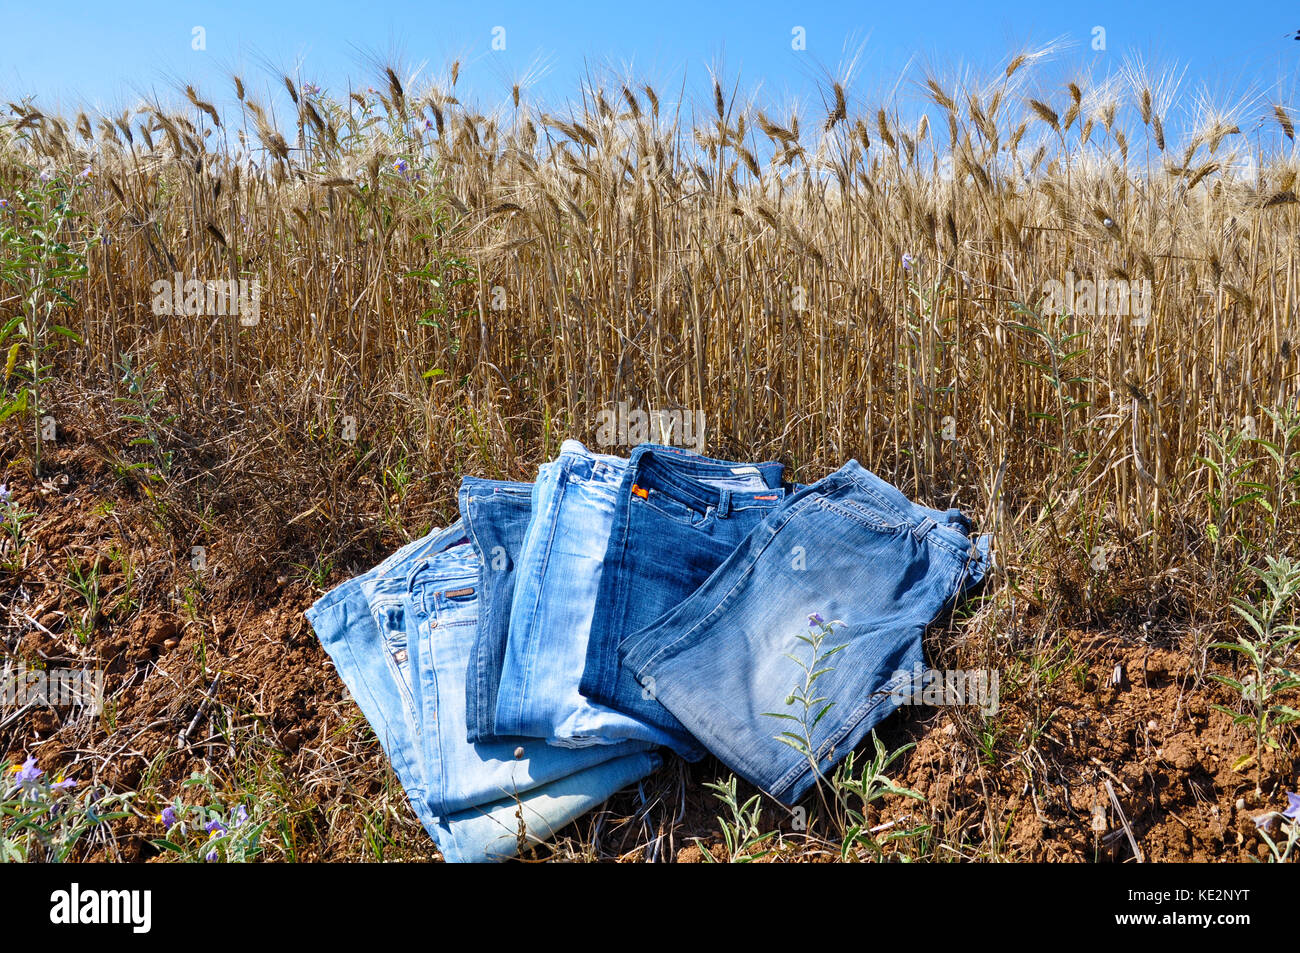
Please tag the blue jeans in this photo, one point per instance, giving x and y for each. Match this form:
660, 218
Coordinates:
492, 831
676, 518
441, 627
374, 627
558, 575
850, 549
496, 515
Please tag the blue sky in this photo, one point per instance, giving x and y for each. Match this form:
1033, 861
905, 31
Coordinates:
104, 55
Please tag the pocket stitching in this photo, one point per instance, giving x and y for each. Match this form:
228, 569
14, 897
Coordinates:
695, 518
851, 512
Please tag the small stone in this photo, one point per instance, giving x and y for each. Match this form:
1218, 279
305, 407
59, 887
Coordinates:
171, 644
162, 629
1241, 803
519, 753
1152, 725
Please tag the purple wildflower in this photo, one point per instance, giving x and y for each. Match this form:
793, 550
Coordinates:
5, 493
63, 784
1290, 812
168, 817
215, 827
907, 262
401, 165
1293, 806
211, 857
241, 816
27, 774
816, 619
4, 203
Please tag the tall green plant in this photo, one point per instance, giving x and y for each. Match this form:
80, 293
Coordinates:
1268, 647
39, 259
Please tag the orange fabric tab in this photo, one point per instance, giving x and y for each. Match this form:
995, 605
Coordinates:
644, 494
771, 496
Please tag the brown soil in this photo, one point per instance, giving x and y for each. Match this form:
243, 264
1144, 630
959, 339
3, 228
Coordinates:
1035, 792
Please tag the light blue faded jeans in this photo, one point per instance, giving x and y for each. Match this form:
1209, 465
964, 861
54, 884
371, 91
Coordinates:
556, 582
443, 606
731, 660
377, 629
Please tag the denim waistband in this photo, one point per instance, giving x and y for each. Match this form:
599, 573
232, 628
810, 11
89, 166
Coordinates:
578, 449
685, 459
477, 486
575, 460
457, 563
682, 478
947, 528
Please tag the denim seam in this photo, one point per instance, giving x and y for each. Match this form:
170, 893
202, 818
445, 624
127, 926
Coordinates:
602, 687
486, 664
698, 518
841, 510
390, 660
481, 675
865, 486
965, 570
508, 487
365, 685
553, 525
422, 630
675, 484
883, 503
939, 540
862, 480
663, 652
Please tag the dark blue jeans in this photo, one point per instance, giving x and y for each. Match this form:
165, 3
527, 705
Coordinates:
677, 517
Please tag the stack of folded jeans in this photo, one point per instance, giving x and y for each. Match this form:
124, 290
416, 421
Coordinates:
522, 665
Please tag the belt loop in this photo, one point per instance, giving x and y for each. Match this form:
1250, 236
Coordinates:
724, 503
418, 601
923, 528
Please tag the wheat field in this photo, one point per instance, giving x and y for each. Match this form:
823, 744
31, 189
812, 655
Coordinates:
446, 292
